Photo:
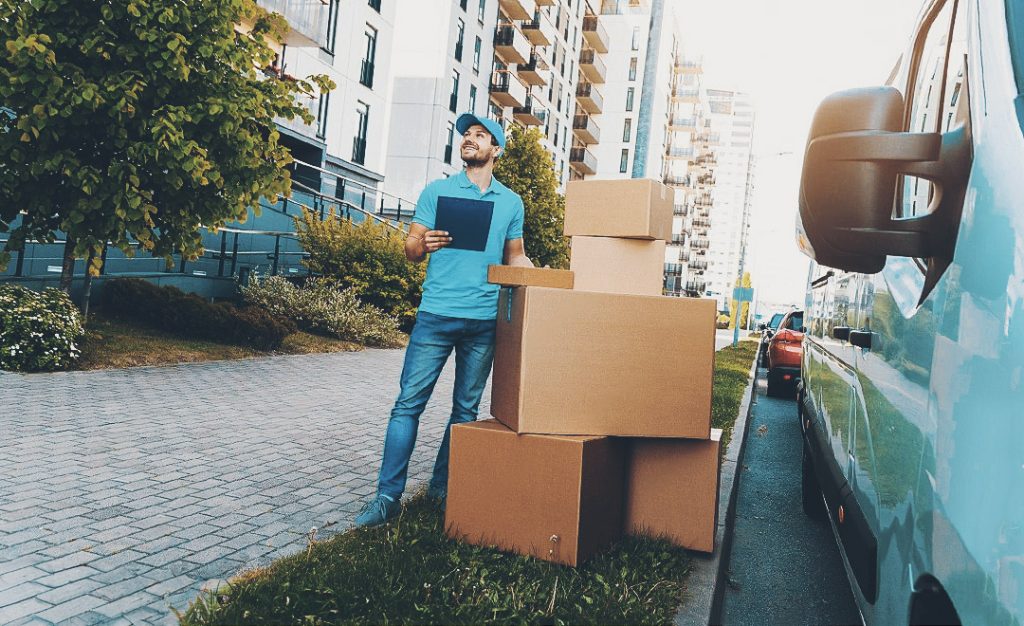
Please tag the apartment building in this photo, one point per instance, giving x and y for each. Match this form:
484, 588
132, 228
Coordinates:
730, 117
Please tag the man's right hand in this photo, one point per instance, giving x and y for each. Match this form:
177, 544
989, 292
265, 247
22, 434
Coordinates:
434, 240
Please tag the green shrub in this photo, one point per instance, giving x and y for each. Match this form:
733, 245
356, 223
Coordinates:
368, 258
188, 315
39, 331
320, 306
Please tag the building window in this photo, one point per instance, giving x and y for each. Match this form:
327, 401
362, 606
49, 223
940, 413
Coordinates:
451, 142
332, 26
366, 72
463, 3
632, 69
476, 55
359, 141
458, 40
629, 99
555, 140
627, 129
636, 37
453, 99
472, 99
375, 5
481, 11
623, 161
321, 115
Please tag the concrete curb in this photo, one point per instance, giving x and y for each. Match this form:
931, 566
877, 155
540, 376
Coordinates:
704, 585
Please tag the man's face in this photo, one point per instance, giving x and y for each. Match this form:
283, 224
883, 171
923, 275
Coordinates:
477, 148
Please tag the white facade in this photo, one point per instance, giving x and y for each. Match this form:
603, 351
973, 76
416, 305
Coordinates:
732, 125
423, 143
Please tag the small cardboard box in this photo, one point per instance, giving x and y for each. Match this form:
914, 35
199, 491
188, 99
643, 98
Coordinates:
614, 265
555, 498
672, 490
570, 362
638, 208
511, 276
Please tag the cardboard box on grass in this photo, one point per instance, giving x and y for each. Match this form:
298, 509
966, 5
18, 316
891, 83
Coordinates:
637, 208
555, 498
511, 276
616, 265
586, 363
672, 490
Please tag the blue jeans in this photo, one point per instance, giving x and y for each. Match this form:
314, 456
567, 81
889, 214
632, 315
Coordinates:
431, 342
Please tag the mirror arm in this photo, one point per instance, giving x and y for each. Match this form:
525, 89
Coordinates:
873, 145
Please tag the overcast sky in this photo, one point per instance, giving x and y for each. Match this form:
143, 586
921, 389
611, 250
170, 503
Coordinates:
788, 55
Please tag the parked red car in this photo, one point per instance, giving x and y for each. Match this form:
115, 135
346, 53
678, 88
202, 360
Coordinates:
784, 351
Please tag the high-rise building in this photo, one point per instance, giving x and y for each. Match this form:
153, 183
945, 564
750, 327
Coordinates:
731, 126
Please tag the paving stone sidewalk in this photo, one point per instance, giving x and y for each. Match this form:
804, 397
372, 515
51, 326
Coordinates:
123, 492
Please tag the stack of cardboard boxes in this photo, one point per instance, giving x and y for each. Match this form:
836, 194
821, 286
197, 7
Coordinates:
602, 394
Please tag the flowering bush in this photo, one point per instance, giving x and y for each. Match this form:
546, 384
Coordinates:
39, 331
320, 306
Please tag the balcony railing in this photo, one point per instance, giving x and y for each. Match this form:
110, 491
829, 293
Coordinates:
675, 180
595, 33
679, 209
700, 243
681, 123
359, 150
583, 160
539, 30
686, 94
518, 9
592, 66
698, 265
507, 90
680, 153
530, 72
528, 114
307, 20
683, 66
589, 97
674, 268
366, 73
695, 286
586, 129
510, 44
701, 222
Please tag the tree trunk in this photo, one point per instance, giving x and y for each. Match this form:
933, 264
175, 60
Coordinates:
87, 291
67, 271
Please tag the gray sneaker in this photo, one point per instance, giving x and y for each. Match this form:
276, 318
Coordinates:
378, 511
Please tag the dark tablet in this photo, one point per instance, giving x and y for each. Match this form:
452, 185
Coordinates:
467, 221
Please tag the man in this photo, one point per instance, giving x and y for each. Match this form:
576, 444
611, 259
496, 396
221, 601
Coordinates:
458, 309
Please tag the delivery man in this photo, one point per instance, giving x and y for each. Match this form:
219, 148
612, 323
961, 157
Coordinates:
459, 307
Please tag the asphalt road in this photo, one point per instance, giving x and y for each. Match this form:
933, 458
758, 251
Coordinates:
784, 568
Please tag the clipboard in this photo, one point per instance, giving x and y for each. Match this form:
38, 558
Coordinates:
467, 221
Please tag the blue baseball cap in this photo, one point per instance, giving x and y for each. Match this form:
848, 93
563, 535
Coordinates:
468, 119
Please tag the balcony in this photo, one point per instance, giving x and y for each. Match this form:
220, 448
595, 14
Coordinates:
510, 44
698, 265
701, 222
595, 33
679, 209
683, 66
545, 3
531, 73
507, 90
682, 123
678, 239
686, 94
583, 161
680, 153
695, 286
592, 66
529, 114
700, 243
589, 98
539, 30
674, 268
312, 105
586, 129
684, 256
518, 9
675, 180
307, 20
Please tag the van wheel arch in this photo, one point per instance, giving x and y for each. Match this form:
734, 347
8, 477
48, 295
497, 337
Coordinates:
930, 604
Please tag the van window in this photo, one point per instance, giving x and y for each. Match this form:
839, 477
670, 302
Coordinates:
1015, 26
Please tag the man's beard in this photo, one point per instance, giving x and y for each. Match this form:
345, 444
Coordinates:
476, 160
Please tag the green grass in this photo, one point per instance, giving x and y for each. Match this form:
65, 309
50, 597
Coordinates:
732, 372
412, 573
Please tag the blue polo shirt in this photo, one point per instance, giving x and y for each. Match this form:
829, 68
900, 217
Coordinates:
456, 283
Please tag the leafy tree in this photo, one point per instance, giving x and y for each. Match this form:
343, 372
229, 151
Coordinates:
527, 169
138, 120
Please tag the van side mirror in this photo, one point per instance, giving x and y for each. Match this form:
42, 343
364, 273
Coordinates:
854, 155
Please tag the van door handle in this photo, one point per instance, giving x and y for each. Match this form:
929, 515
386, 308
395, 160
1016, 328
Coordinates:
842, 333
861, 338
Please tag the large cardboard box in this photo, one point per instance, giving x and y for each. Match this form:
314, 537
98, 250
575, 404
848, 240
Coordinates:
573, 362
638, 207
554, 498
672, 490
615, 265
509, 275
